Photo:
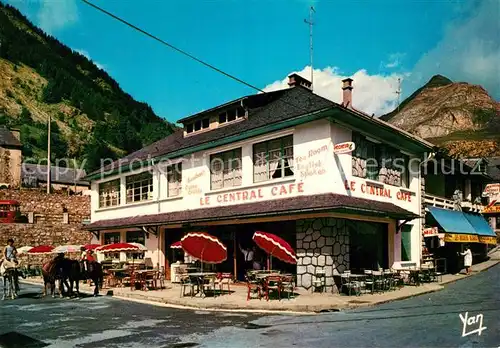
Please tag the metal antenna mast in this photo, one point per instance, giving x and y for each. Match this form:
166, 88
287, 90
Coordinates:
311, 23
398, 92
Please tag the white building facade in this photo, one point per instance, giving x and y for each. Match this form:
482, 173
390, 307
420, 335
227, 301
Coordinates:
328, 201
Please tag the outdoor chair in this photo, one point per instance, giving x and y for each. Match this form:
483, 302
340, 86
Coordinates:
369, 281
346, 282
319, 281
225, 279
288, 285
206, 283
253, 286
378, 278
188, 282
131, 278
388, 279
273, 283
160, 277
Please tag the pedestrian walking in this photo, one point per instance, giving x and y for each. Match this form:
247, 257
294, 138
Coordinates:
467, 254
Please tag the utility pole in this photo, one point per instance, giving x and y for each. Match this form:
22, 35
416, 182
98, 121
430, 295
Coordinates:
311, 23
398, 92
48, 155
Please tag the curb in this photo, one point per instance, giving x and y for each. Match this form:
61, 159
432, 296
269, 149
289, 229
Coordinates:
473, 273
307, 310
373, 304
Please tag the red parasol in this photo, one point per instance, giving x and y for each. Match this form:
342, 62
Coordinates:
41, 249
204, 247
91, 246
117, 247
176, 245
275, 246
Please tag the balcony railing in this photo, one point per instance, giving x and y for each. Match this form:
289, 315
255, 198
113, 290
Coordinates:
445, 203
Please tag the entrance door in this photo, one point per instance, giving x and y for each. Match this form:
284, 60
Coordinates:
368, 245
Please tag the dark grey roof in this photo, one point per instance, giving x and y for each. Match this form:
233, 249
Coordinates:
58, 175
264, 109
8, 139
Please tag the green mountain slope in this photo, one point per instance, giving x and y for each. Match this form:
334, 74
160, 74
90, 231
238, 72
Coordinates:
92, 117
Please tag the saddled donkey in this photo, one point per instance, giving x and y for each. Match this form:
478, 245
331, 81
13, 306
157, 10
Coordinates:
9, 272
74, 272
53, 271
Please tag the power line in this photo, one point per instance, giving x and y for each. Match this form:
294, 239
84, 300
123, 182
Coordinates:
184, 52
171, 46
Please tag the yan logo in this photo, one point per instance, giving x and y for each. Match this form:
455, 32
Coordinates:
474, 324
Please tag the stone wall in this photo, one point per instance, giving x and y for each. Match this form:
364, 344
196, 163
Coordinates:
322, 245
50, 226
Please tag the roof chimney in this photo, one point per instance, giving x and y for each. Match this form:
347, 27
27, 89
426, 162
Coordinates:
347, 92
297, 80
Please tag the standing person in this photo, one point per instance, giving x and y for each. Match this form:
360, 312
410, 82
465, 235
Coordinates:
83, 258
467, 254
10, 254
248, 254
10, 251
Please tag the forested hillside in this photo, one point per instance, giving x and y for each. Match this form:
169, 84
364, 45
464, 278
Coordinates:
92, 118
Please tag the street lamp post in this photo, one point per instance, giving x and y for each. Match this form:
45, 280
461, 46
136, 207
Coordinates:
48, 156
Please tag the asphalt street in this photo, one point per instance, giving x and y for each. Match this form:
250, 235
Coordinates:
431, 320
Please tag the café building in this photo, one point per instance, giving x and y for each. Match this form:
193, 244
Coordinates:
342, 187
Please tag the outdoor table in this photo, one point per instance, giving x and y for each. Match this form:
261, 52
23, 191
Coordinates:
202, 276
265, 275
112, 275
142, 277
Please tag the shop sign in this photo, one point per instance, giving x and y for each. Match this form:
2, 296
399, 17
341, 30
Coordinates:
488, 240
431, 232
382, 191
253, 195
491, 209
461, 238
491, 190
346, 147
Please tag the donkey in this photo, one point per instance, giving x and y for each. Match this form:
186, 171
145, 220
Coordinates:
8, 272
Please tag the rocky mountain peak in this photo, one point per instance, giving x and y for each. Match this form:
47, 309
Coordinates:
457, 115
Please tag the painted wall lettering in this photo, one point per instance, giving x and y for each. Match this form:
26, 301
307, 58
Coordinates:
352, 185
193, 190
255, 194
196, 176
308, 166
309, 169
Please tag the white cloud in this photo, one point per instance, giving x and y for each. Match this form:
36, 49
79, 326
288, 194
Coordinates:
394, 60
87, 55
469, 50
373, 94
56, 14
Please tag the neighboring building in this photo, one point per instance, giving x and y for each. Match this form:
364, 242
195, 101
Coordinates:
10, 158
492, 210
454, 203
266, 162
61, 178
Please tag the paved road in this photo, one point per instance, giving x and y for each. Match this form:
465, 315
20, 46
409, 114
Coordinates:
426, 321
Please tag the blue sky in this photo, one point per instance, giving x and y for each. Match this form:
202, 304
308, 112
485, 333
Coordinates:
262, 42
